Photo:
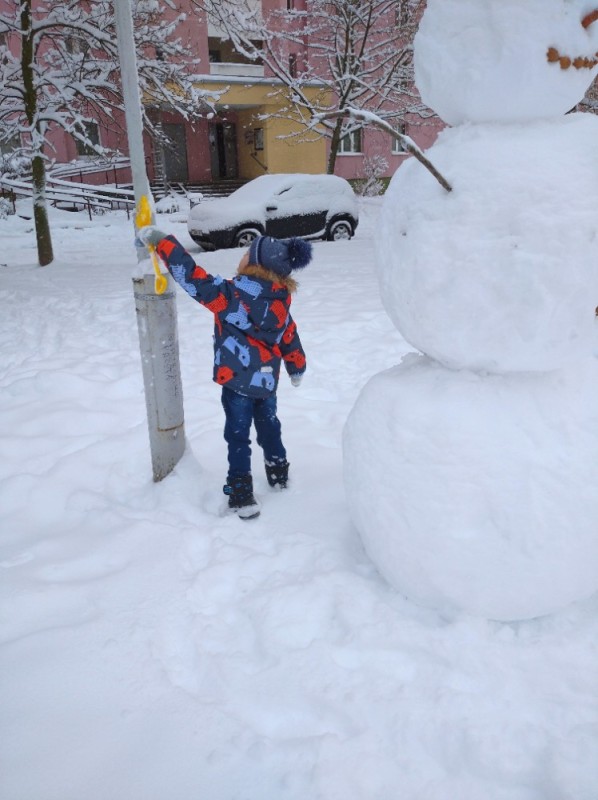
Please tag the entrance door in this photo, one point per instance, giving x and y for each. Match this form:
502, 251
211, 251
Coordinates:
223, 150
175, 153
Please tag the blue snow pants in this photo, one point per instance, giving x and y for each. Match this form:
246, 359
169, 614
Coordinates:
240, 412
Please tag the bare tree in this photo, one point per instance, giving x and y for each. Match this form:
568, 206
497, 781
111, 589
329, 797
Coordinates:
59, 68
367, 118
328, 56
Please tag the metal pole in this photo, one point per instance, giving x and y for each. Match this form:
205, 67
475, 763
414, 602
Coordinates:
156, 313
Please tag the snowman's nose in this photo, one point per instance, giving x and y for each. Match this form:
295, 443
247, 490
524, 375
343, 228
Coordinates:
589, 18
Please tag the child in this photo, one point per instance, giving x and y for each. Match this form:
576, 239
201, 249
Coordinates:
253, 332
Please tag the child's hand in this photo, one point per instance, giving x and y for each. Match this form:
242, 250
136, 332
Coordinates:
296, 379
149, 234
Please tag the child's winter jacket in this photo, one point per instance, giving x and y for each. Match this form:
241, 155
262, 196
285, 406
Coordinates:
253, 327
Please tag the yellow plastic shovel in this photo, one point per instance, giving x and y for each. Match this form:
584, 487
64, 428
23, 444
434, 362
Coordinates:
144, 217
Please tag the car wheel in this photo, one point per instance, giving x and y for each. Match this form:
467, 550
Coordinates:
246, 236
339, 230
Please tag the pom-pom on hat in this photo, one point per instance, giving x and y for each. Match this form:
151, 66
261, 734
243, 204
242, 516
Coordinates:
281, 256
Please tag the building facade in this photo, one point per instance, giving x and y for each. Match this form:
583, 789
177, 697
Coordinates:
245, 135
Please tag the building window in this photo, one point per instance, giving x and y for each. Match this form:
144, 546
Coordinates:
402, 13
92, 132
351, 142
290, 5
258, 138
293, 65
397, 146
214, 57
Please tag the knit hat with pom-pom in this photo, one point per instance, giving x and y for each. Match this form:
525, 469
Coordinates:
281, 256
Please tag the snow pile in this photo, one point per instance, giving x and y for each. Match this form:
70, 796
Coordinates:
171, 204
496, 53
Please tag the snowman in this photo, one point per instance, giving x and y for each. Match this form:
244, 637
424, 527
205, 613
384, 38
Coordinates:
471, 468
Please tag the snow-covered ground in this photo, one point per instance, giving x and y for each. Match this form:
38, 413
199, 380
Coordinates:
155, 648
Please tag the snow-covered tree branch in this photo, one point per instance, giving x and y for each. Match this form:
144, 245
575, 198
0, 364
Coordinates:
367, 118
328, 56
59, 68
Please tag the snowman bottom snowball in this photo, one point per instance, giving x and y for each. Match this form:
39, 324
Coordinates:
478, 493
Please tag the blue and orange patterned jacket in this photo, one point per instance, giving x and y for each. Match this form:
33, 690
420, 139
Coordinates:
253, 327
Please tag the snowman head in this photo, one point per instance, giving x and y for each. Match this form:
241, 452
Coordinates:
505, 60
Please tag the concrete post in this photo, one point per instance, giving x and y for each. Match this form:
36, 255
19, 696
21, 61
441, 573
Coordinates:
158, 342
156, 314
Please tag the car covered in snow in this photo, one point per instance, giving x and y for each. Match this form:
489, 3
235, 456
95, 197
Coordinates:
308, 206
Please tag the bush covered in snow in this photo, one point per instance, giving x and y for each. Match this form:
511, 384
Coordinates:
171, 204
6, 207
14, 165
375, 168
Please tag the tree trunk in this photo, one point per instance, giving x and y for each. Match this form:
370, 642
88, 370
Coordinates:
334, 145
40, 211
45, 253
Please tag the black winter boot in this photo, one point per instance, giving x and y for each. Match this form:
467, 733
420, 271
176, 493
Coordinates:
240, 496
277, 474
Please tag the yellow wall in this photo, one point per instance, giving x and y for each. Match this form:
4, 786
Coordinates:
248, 166
296, 154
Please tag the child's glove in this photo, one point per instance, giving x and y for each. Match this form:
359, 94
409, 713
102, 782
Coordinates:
149, 234
297, 378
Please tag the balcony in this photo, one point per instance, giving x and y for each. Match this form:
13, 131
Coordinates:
236, 70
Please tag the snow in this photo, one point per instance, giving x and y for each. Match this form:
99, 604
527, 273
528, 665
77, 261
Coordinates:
496, 53
155, 647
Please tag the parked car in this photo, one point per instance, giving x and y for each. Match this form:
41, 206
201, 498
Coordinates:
308, 206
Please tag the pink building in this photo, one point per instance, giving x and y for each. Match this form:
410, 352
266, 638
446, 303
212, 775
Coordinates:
244, 138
